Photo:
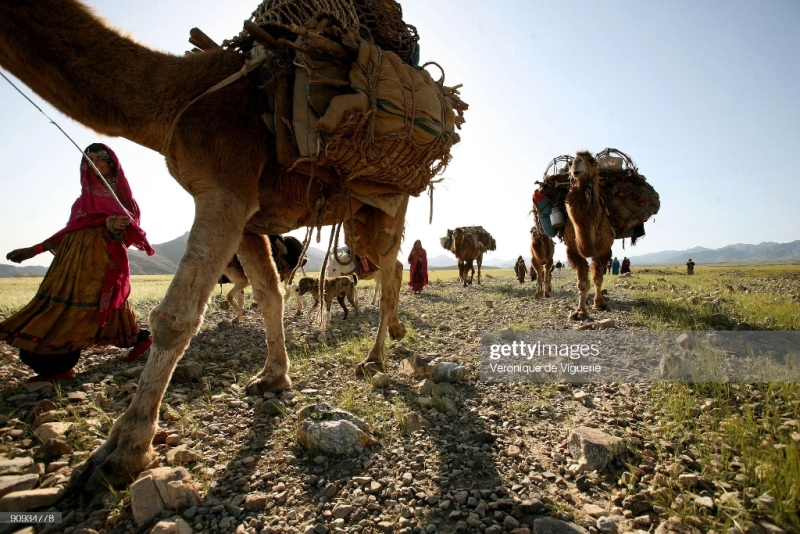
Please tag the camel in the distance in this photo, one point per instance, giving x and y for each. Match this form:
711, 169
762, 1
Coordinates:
468, 244
218, 148
542, 249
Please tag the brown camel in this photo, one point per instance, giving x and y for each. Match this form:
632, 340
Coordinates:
588, 233
221, 152
468, 244
542, 248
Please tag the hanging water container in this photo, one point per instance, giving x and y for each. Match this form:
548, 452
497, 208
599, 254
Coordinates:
557, 219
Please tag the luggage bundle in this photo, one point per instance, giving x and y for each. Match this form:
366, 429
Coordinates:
479, 239
347, 102
628, 198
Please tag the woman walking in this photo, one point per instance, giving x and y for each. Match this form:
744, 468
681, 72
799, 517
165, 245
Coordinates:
82, 300
418, 259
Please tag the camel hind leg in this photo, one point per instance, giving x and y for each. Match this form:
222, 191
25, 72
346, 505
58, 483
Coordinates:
256, 258
387, 236
235, 296
217, 229
598, 267
479, 260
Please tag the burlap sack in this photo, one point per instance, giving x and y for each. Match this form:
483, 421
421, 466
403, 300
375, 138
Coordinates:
396, 129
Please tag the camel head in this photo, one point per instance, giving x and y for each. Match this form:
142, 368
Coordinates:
583, 168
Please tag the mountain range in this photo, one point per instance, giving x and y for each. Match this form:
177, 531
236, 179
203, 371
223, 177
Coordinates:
168, 254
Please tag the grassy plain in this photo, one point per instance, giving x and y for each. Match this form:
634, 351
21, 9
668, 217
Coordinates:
744, 438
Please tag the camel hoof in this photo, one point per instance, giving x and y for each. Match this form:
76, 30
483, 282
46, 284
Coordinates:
237, 320
369, 367
397, 331
579, 315
114, 469
261, 383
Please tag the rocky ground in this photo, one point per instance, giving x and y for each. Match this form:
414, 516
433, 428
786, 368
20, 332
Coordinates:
458, 456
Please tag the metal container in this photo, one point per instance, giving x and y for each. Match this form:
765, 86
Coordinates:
557, 219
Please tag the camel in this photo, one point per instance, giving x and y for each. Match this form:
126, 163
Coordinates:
468, 244
356, 265
588, 232
286, 252
542, 248
218, 148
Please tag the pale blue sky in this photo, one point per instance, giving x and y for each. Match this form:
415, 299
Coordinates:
702, 95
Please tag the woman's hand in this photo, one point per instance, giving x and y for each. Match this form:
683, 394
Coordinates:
117, 223
21, 254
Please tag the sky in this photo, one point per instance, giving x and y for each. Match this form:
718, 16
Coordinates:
702, 95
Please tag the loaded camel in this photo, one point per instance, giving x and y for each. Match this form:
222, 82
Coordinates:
542, 248
468, 244
359, 266
218, 148
286, 253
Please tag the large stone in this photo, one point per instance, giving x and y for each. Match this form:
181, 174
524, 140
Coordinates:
594, 448
15, 465
182, 455
187, 372
551, 525
448, 372
159, 489
52, 430
674, 525
11, 483
255, 502
175, 525
415, 422
52, 449
416, 366
330, 430
25, 501
638, 503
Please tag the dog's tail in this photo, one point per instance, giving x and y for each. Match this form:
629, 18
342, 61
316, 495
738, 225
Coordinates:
355, 279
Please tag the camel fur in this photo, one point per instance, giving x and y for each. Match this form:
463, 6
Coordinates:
221, 152
588, 233
542, 249
353, 265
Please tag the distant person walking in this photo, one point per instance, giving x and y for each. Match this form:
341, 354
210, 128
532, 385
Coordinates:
559, 265
83, 299
690, 266
520, 270
418, 259
615, 266
626, 267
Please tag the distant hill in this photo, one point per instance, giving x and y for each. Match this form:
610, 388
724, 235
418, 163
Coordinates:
766, 252
168, 255
12, 271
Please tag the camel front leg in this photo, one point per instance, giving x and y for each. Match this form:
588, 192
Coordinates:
598, 267
580, 264
548, 271
256, 257
479, 260
377, 293
215, 234
388, 236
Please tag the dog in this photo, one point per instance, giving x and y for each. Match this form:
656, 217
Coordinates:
339, 287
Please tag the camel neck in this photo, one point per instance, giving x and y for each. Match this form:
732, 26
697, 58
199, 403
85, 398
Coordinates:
96, 76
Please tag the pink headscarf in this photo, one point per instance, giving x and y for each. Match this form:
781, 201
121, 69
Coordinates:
92, 209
